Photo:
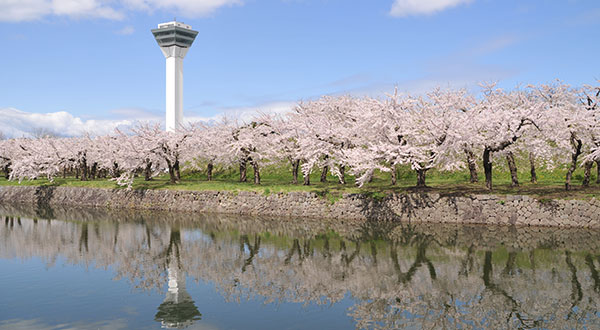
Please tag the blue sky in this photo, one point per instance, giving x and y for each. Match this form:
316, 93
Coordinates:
73, 65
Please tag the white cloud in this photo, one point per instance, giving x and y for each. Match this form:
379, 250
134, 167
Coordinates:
85, 8
24, 10
127, 30
17, 123
29, 10
187, 8
402, 8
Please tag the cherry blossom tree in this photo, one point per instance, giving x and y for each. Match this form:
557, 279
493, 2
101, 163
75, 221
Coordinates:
327, 130
132, 154
73, 152
250, 145
388, 121
6, 154
503, 118
441, 132
423, 132
35, 158
166, 146
284, 142
207, 145
591, 102
568, 123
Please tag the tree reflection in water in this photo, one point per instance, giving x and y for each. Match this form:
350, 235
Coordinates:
396, 275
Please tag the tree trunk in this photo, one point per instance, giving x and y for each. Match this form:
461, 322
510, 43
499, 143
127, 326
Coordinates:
532, 166
295, 168
598, 171
487, 167
148, 171
64, 172
77, 173
342, 179
172, 176
394, 175
472, 165
115, 170
177, 171
7, 171
256, 172
209, 170
306, 179
84, 171
421, 177
587, 166
576, 144
94, 171
514, 179
243, 168
324, 173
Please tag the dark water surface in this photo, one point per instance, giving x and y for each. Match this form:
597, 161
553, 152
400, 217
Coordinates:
95, 269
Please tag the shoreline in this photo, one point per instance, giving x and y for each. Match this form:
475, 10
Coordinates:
509, 210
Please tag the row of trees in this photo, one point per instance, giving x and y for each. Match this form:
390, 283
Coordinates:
549, 125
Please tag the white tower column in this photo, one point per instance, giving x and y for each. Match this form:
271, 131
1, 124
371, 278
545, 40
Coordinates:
174, 39
174, 86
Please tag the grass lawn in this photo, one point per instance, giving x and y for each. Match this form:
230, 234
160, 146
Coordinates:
275, 179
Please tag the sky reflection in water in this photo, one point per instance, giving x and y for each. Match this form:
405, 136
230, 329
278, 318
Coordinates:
94, 269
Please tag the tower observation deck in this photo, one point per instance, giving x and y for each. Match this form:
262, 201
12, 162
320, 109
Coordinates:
174, 39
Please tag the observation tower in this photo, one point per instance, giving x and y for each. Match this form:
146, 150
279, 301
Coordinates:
174, 39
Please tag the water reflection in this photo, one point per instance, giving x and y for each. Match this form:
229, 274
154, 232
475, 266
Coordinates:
396, 275
177, 310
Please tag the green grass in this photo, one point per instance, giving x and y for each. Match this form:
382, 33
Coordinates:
277, 179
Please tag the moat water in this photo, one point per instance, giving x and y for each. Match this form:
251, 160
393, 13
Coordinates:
98, 269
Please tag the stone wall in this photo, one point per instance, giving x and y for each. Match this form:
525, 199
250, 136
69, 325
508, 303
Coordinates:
423, 207
488, 237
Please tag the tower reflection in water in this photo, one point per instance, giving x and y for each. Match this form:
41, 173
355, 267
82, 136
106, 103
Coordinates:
178, 310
